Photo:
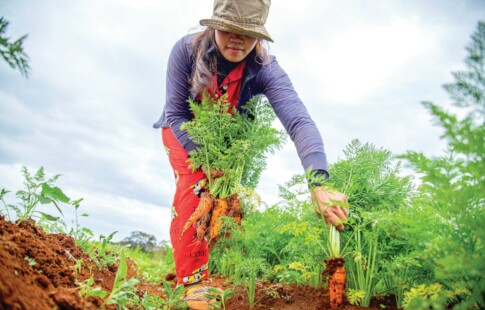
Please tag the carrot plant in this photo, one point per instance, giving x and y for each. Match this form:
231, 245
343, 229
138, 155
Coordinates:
362, 275
452, 204
235, 142
232, 141
377, 191
399, 277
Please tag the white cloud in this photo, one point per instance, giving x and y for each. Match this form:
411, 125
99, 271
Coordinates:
361, 61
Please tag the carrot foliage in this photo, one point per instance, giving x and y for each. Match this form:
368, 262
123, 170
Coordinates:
233, 141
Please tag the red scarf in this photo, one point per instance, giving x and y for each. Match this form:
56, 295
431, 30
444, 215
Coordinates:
231, 85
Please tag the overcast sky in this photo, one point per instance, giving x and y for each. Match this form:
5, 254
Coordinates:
98, 75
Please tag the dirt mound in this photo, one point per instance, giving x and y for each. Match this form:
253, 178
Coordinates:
37, 270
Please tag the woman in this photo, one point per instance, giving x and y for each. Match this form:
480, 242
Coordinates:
229, 58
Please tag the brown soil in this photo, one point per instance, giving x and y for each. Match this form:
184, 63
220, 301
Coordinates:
279, 296
50, 282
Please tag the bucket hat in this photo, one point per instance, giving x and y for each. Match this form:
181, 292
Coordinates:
242, 17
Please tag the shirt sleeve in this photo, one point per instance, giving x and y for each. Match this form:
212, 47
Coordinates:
294, 116
177, 110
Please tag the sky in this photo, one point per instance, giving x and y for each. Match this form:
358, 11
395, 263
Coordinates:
97, 85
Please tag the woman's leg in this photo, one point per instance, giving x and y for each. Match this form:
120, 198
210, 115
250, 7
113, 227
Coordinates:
191, 256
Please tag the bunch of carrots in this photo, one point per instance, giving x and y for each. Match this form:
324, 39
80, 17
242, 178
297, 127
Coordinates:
209, 213
235, 142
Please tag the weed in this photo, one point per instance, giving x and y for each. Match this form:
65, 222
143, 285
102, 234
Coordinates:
88, 291
30, 260
221, 297
174, 298
123, 292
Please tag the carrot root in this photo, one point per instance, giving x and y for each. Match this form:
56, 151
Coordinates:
220, 210
203, 226
234, 208
204, 207
337, 278
336, 287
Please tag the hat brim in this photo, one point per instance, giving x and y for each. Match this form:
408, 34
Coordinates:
255, 31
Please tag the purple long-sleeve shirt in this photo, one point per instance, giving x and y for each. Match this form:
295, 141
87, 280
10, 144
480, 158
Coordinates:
258, 79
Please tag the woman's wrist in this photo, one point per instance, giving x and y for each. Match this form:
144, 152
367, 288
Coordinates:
317, 178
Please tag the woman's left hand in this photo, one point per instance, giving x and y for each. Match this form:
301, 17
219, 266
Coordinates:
331, 204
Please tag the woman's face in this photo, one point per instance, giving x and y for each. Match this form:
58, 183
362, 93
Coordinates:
234, 47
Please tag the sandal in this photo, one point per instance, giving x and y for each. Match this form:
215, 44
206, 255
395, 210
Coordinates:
196, 299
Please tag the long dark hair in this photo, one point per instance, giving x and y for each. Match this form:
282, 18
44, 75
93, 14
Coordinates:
205, 64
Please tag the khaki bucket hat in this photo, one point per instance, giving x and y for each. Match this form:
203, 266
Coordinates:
242, 17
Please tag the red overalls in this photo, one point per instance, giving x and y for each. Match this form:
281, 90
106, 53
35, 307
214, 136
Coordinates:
190, 255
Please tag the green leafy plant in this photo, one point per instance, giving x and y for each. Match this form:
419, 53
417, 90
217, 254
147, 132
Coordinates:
13, 52
30, 261
153, 265
233, 142
399, 277
87, 289
123, 292
220, 297
431, 296
173, 298
5, 213
102, 252
38, 190
362, 269
452, 203
252, 268
355, 297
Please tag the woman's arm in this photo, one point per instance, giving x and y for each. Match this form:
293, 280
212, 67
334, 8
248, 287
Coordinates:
179, 70
308, 141
294, 116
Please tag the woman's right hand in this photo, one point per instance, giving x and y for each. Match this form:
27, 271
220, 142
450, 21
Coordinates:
213, 172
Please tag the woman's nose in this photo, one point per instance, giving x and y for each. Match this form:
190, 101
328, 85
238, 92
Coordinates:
236, 37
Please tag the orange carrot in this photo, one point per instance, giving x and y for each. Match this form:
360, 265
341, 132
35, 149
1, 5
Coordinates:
234, 208
337, 287
205, 206
202, 226
216, 224
336, 281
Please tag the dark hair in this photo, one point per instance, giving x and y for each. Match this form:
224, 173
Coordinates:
205, 64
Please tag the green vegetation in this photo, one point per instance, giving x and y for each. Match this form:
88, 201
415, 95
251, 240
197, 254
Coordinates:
13, 52
233, 142
450, 207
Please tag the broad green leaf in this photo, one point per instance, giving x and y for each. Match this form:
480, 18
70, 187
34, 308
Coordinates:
54, 193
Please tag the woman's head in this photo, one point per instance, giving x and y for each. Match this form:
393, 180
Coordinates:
236, 28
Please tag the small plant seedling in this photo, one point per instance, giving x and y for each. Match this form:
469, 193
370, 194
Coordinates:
221, 297
174, 298
30, 260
